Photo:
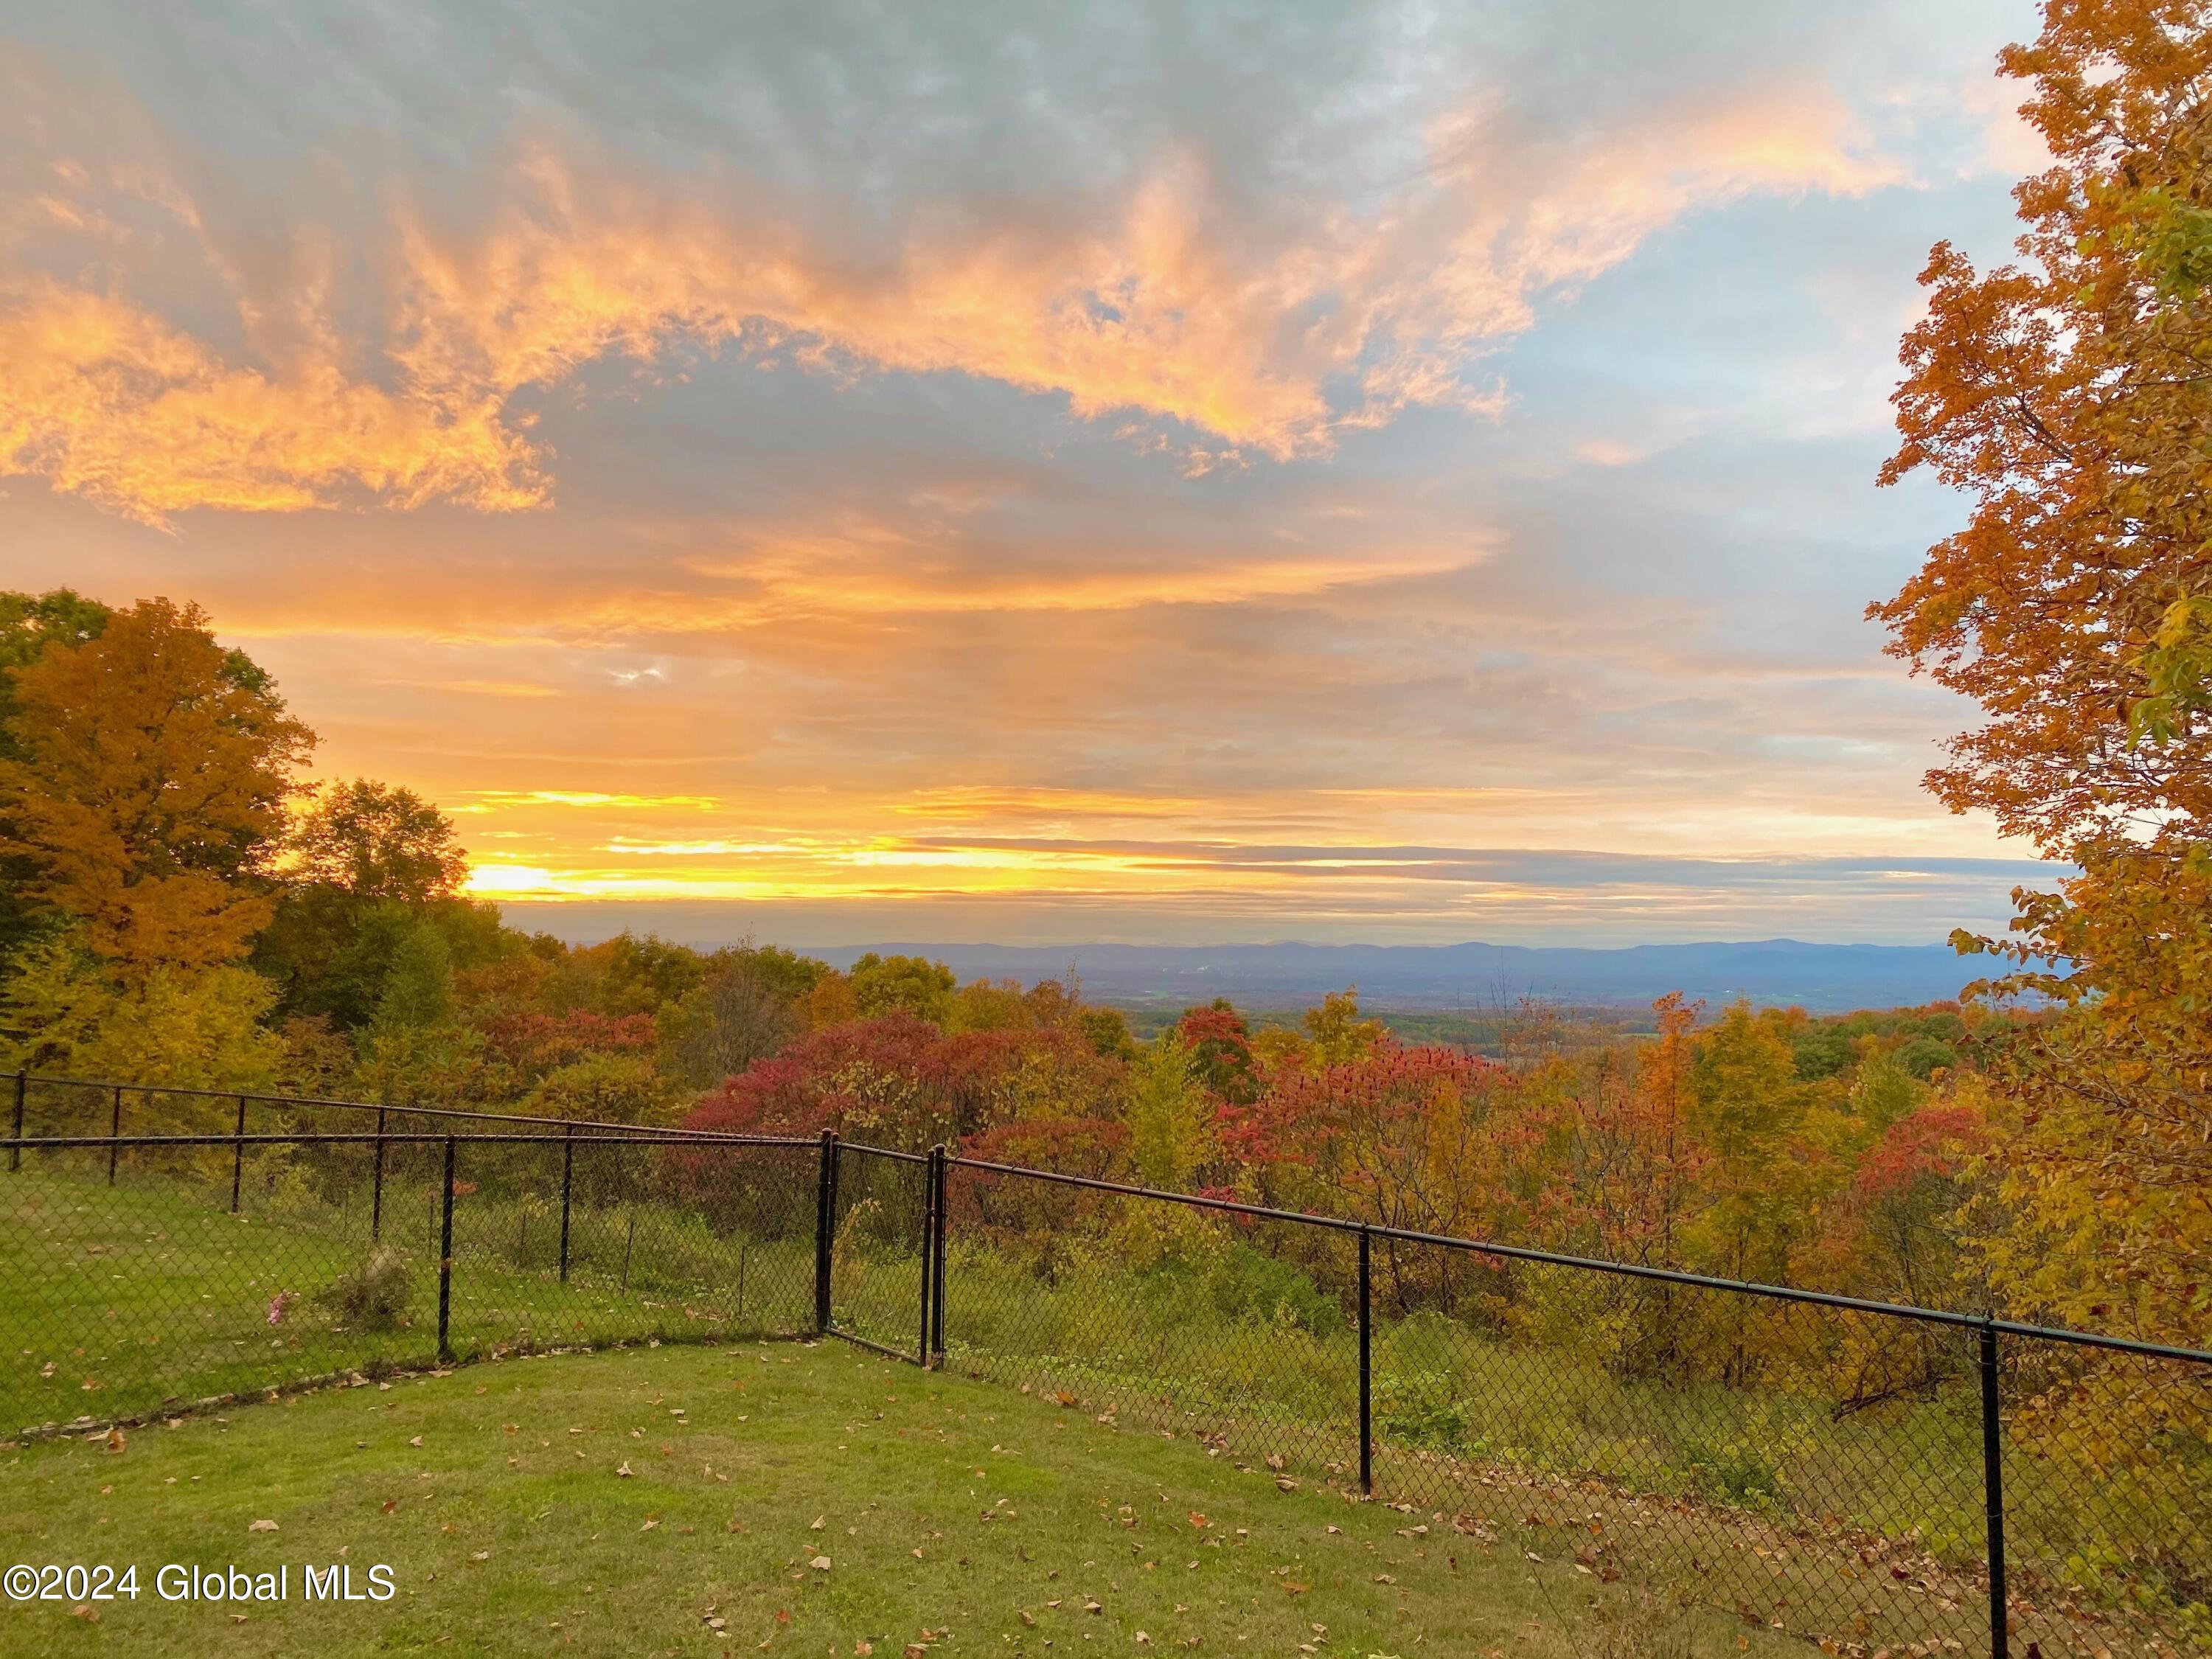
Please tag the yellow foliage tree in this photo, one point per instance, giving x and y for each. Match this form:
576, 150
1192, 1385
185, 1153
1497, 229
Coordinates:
191, 1030
147, 789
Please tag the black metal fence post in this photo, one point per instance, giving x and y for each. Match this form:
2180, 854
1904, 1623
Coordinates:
376, 1190
238, 1156
1366, 1366
114, 1129
1993, 1494
825, 1221
15, 1153
937, 1258
445, 1260
928, 1248
567, 1172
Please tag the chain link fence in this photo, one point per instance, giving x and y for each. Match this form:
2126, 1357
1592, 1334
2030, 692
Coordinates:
146, 1273
1875, 1479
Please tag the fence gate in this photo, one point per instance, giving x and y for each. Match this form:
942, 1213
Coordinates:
876, 1251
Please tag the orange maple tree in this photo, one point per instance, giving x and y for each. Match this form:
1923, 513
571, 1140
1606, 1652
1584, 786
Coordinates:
2070, 398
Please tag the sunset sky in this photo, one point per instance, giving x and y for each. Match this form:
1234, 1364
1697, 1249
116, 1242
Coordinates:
965, 471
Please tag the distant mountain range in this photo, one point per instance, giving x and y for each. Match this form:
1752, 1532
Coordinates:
1823, 978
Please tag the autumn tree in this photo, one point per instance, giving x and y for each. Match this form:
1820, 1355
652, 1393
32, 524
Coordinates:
882, 985
145, 787
1747, 1105
201, 1029
737, 1015
2067, 398
369, 867
1171, 1116
377, 841
1221, 1047
31, 623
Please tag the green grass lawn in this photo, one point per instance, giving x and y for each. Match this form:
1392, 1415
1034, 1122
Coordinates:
952, 1515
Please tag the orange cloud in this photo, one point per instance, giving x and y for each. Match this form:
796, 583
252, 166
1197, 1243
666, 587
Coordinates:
1261, 344
487, 800
105, 400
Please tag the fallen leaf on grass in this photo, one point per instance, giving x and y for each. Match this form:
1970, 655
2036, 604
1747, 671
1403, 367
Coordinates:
87, 1612
116, 1443
262, 1526
622, 1469
820, 1564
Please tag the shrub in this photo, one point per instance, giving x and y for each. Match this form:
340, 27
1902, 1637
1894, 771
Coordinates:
1247, 1287
374, 1296
1734, 1473
1422, 1408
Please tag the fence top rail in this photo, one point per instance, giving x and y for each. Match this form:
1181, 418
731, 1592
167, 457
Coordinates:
1620, 1269
356, 1105
396, 1138
844, 1145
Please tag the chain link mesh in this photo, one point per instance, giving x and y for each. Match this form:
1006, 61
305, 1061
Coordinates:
877, 1239
151, 1276
1815, 1470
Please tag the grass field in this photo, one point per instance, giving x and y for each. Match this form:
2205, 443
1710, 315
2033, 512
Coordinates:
953, 1516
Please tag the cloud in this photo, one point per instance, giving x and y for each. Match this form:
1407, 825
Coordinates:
997, 464
488, 800
104, 399
1228, 337
1010, 889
